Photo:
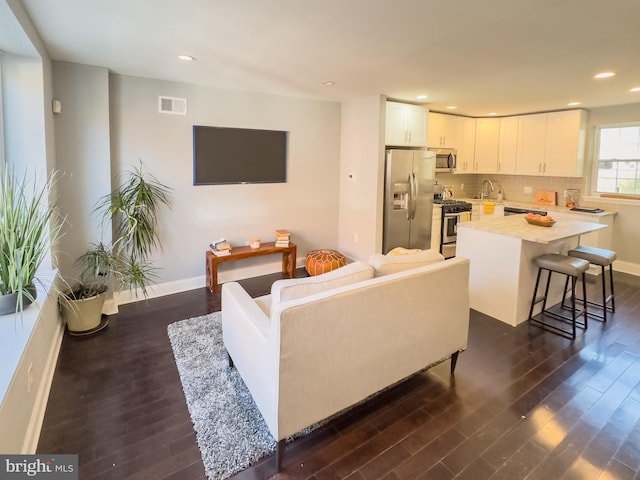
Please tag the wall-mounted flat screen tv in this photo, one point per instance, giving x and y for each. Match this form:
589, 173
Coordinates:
223, 155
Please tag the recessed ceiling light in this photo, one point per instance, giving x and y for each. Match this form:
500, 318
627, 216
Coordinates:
492, 113
573, 104
635, 89
452, 107
604, 75
328, 83
186, 58
422, 97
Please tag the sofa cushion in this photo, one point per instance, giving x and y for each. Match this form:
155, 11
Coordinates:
264, 302
385, 264
290, 289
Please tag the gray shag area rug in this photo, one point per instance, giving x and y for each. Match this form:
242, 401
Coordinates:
230, 430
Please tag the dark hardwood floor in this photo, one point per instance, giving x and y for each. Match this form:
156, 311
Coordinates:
524, 403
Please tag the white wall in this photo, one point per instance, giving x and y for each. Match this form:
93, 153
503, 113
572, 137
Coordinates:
307, 204
362, 177
83, 156
626, 228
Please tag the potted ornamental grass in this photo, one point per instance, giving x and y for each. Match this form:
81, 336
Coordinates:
132, 212
29, 225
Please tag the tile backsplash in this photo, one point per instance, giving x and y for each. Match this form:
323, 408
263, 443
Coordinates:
512, 186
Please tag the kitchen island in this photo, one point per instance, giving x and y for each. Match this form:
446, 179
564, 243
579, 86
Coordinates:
502, 251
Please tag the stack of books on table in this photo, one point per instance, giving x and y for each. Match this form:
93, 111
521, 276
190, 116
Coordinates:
282, 238
220, 248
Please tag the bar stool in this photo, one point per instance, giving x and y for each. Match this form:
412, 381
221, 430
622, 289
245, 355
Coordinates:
603, 258
572, 268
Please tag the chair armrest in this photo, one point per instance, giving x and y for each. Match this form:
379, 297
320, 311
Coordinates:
237, 305
254, 350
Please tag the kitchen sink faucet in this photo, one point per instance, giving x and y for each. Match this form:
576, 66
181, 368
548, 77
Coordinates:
491, 189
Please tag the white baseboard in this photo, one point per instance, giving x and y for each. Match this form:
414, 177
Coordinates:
32, 435
168, 288
626, 267
177, 286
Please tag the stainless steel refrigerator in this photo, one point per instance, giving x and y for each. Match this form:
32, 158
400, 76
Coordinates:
408, 199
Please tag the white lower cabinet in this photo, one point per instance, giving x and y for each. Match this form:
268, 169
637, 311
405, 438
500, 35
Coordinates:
475, 210
436, 224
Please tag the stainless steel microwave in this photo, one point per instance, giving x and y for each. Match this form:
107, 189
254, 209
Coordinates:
445, 159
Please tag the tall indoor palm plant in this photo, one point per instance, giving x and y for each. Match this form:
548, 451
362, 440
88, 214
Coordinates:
132, 211
29, 224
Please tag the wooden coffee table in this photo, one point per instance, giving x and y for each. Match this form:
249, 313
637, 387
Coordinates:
239, 253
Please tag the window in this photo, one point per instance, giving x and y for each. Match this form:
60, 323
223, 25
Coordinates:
618, 160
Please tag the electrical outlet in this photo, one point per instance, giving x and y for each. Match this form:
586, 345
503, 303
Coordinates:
462, 186
356, 238
528, 189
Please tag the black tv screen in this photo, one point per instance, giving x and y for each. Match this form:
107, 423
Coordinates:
223, 155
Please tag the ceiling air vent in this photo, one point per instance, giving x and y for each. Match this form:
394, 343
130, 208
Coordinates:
175, 106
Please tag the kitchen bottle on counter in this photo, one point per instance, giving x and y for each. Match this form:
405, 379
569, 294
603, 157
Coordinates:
572, 197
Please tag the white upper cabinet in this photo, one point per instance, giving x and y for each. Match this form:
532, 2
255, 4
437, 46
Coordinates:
487, 143
442, 131
531, 140
552, 144
406, 125
564, 147
508, 146
466, 144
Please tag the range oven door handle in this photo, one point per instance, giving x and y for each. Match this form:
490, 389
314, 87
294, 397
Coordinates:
448, 229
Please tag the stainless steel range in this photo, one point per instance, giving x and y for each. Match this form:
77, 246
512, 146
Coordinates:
453, 212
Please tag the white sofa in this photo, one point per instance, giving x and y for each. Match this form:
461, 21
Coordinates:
318, 345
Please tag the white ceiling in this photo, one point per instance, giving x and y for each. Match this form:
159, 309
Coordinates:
503, 56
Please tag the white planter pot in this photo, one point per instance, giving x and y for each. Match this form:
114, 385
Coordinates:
84, 316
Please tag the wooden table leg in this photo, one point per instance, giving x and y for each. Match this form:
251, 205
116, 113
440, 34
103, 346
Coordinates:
289, 262
285, 262
292, 262
212, 272
240, 253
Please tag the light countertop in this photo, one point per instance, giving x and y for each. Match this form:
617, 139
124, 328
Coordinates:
516, 226
535, 206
